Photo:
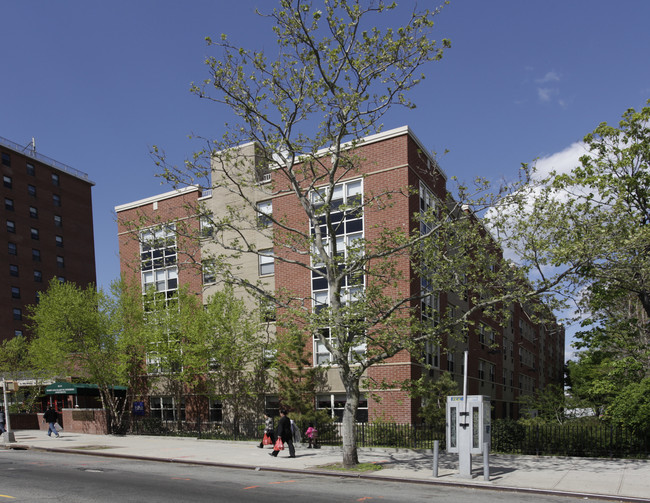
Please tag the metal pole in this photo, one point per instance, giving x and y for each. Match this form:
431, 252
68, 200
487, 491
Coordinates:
465, 379
9, 435
436, 448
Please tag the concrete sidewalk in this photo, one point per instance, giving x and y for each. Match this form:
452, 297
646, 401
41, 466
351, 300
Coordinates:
619, 480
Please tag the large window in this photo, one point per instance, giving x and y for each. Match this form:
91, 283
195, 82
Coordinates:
430, 300
347, 224
158, 256
335, 404
165, 408
164, 357
322, 355
430, 307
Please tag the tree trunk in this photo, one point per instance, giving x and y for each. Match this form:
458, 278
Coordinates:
349, 425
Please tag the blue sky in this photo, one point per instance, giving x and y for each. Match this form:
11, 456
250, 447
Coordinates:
99, 83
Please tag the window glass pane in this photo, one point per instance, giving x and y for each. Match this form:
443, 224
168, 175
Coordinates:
353, 189
266, 262
337, 193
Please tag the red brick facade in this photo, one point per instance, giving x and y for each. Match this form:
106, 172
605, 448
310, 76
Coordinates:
177, 207
528, 356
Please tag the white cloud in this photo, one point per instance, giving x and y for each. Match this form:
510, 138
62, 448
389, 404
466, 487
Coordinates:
546, 93
549, 77
561, 162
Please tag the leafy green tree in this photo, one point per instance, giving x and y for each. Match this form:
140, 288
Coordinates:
546, 405
84, 333
336, 74
631, 407
298, 380
434, 393
13, 356
14, 364
212, 351
608, 196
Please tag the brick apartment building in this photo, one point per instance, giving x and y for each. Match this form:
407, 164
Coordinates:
48, 230
527, 355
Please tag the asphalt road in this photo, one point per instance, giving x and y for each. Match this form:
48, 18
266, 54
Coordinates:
33, 476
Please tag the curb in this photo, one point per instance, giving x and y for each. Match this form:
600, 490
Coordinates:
326, 473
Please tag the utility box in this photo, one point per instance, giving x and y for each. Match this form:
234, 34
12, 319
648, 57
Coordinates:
468, 423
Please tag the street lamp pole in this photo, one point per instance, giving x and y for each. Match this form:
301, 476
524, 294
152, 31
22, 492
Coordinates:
8, 435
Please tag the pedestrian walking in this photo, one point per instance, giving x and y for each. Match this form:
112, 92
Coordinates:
268, 432
2, 421
284, 434
51, 417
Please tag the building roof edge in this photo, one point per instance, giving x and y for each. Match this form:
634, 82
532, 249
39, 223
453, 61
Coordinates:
158, 197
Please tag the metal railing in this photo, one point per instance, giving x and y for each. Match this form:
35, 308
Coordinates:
45, 160
508, 437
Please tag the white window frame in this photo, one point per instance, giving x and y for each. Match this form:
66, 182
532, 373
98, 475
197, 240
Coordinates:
266, 262
165, 408
345, 192
264, 212
208, 272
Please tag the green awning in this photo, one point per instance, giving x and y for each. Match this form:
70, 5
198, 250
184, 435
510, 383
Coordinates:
72, 388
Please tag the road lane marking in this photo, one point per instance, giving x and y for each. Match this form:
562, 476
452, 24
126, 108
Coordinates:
6, 496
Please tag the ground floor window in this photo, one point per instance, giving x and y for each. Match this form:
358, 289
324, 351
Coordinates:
165, 408
216, 410
334, 405
272, 406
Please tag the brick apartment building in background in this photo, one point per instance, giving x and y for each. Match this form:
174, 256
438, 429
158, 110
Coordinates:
48, 231
528, 355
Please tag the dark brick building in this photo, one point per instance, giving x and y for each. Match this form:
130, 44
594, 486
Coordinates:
48, 231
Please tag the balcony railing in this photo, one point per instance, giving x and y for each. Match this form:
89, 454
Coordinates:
45, 160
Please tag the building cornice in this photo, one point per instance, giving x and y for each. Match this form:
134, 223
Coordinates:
157, 198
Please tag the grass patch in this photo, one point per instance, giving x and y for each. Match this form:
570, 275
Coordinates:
360, 468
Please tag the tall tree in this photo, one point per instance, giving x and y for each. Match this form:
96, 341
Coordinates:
87, 334
610, 194
338, 71
208, 351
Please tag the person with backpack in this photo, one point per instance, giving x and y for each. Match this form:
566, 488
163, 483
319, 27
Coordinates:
285, 435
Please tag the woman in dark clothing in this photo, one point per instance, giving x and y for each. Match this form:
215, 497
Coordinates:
284, 432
